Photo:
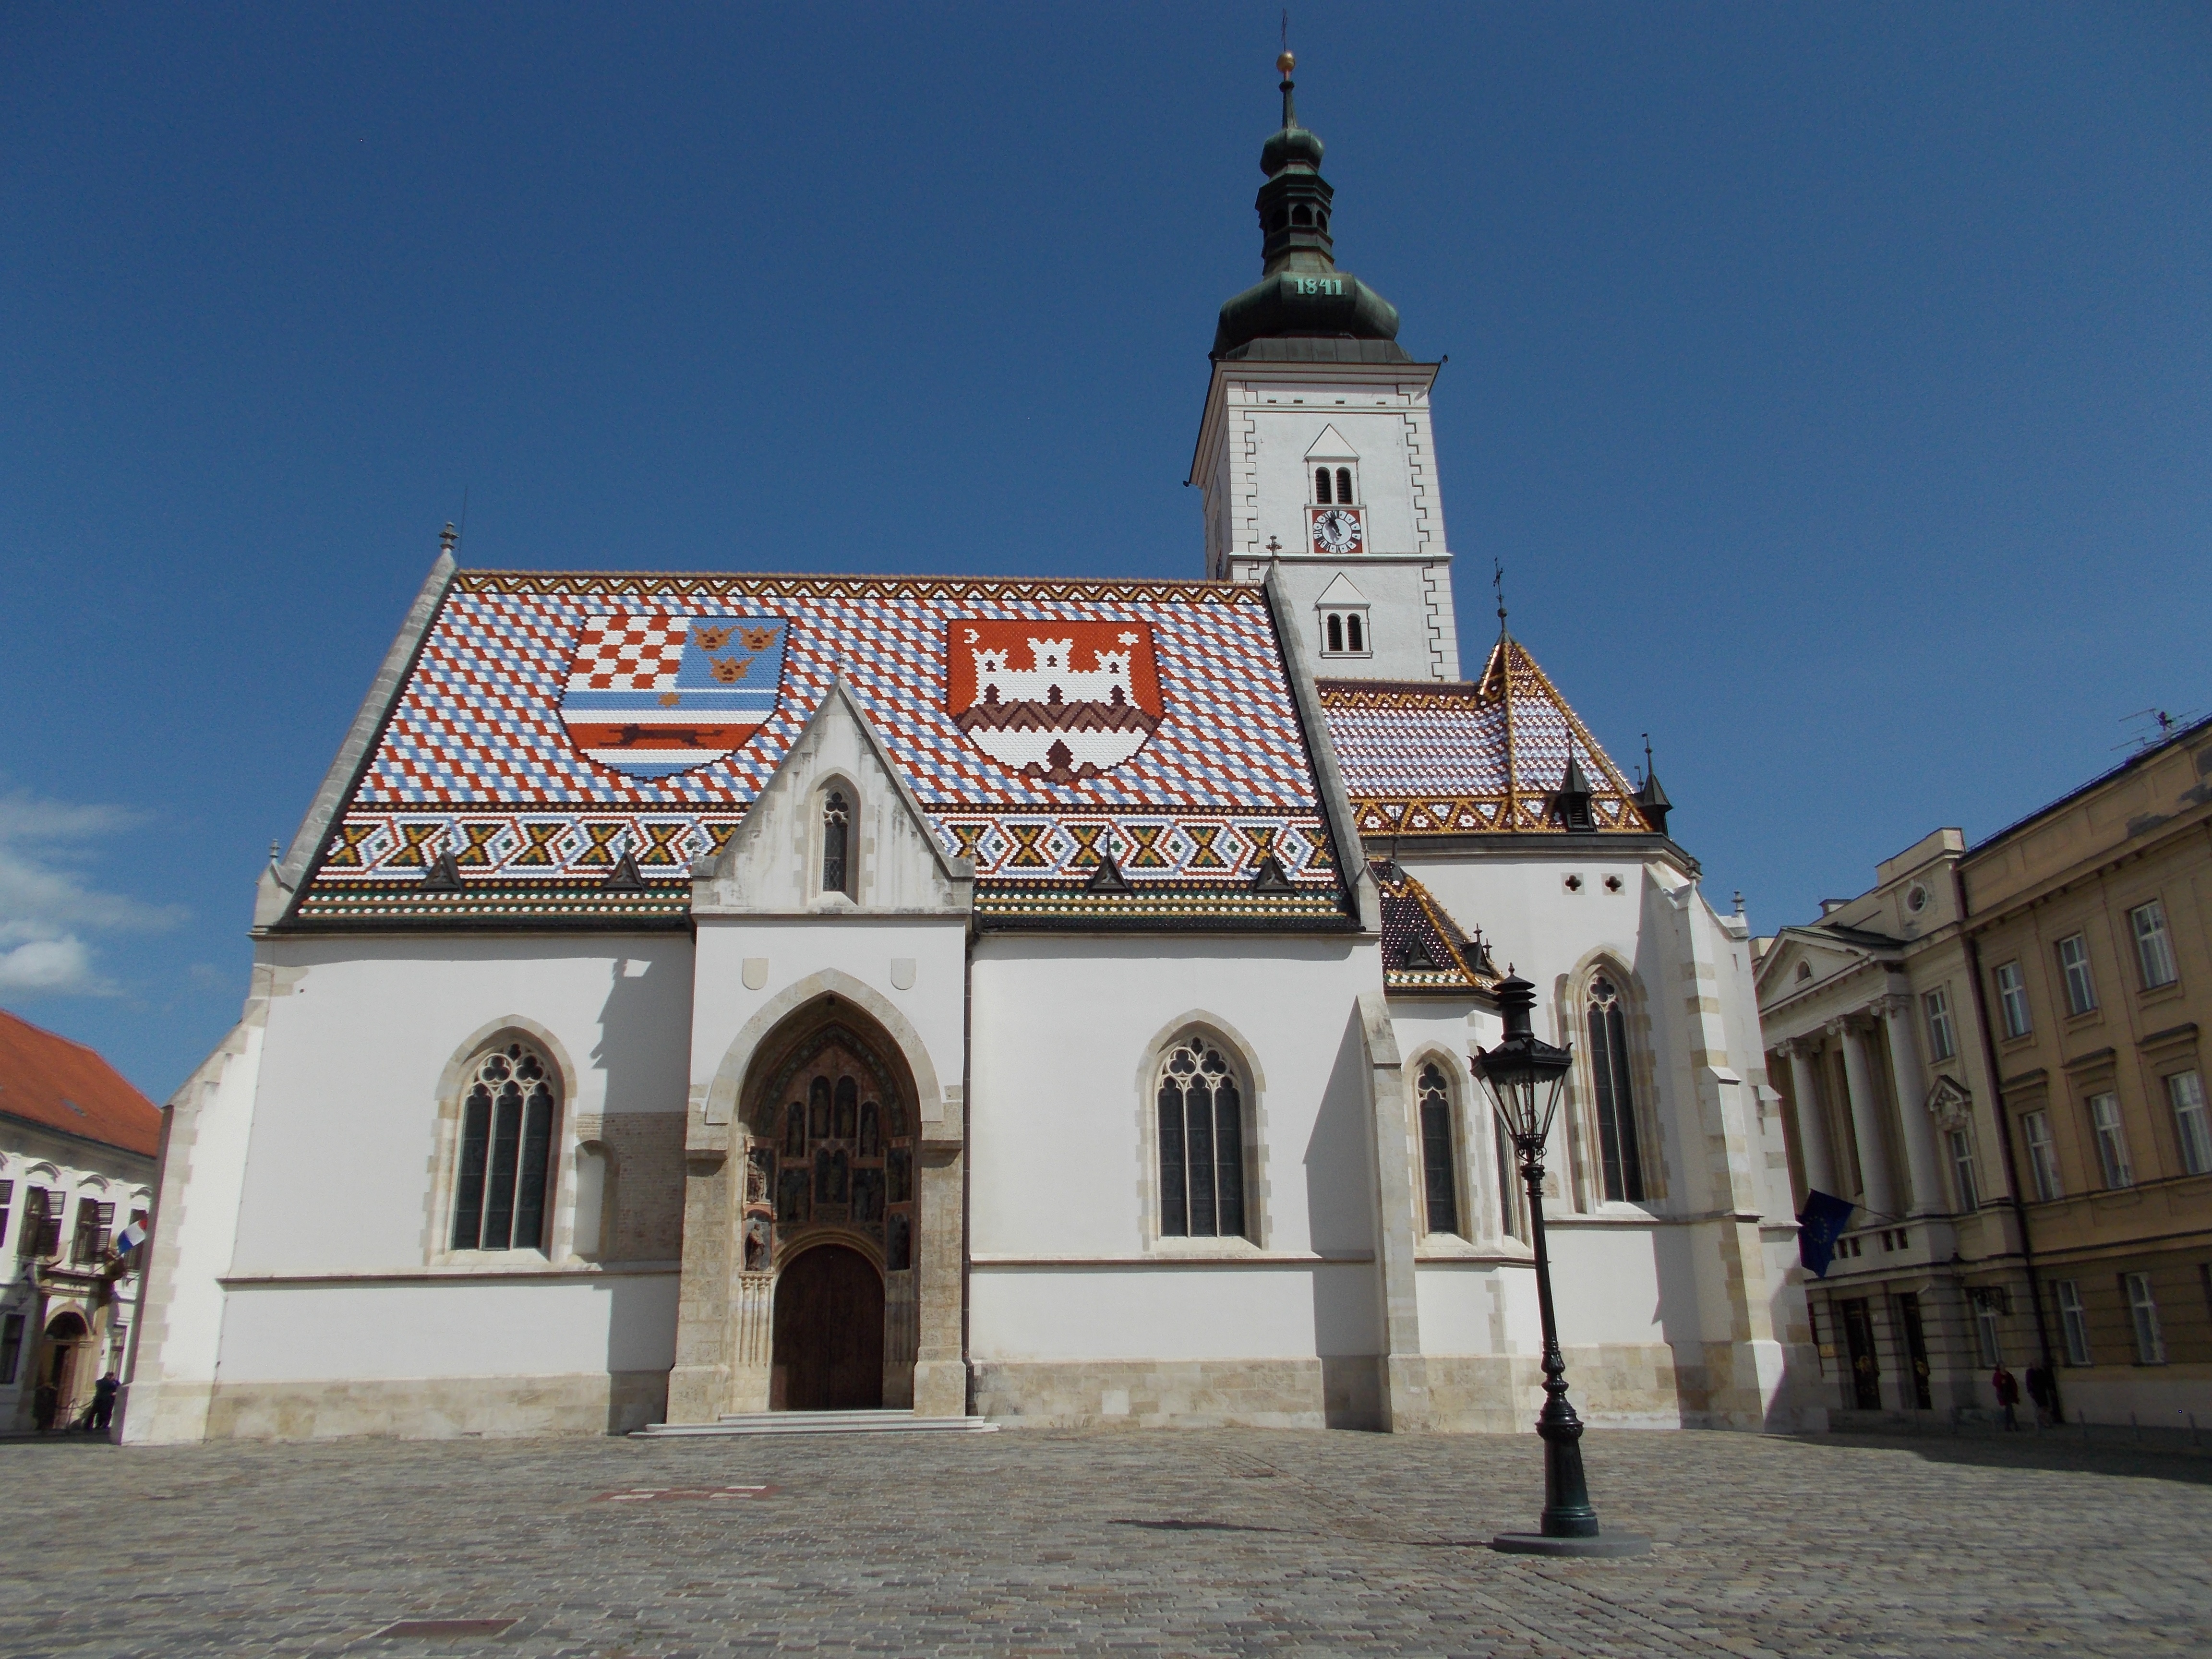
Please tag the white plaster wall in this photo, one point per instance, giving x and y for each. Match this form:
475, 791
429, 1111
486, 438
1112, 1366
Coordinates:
1060, 1096
1259, 1310
339, 1166
559, 1327
795, 948
1388, 433
1404, 629
1605, 1284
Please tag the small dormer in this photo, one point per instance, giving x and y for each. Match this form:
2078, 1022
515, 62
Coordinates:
1342, 623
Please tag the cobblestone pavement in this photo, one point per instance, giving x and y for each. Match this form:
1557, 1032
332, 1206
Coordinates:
1028, 1542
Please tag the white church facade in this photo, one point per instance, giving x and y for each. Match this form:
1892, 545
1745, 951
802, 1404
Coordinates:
1049, 1001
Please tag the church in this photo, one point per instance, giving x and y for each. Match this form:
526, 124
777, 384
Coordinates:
697, 995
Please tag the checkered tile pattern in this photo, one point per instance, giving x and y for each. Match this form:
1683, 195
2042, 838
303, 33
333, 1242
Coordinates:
1419, 760
628, 654
476, 762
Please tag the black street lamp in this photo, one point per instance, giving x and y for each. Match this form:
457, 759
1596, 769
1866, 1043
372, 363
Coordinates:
1525, 1075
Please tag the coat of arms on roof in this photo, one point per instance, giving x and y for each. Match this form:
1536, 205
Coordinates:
654, 695
1058, 700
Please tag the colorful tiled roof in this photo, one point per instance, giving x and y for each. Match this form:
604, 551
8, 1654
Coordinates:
1424, 950
1420, 758
50, 1081
546, 730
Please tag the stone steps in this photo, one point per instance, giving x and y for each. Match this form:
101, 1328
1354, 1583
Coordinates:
876, 1422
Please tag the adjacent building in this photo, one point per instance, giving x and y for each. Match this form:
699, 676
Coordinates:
1994, 1052
76, 1168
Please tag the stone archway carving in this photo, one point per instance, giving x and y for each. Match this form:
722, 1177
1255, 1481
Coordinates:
815, 1130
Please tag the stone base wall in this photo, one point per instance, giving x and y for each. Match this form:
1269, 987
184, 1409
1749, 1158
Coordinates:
1305, 1392
438, 1408
1614, 1385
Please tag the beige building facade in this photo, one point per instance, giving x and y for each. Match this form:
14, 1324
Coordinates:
1994, 1054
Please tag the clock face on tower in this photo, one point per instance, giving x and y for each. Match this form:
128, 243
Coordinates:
1336, 530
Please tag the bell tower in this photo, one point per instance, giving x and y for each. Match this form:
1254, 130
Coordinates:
1314, 456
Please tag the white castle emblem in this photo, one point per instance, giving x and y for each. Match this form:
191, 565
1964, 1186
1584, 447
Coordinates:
1052, 719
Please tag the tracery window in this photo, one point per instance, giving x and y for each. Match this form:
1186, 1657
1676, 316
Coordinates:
836, 818
1201, 1127
506, 1152
1619, 1146
1439, 1154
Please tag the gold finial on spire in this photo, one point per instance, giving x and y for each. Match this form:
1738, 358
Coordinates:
1287, 62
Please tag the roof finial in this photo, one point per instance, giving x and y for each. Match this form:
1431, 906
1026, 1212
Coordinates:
1647, 754
1497, 582
448, 538
1286, 63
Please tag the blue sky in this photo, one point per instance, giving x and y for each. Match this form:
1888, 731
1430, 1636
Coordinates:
1835, 382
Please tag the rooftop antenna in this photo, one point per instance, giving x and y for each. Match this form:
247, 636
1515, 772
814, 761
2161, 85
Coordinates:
2163, 726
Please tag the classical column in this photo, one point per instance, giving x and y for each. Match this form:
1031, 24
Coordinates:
1812, 1128
1880, 1191
1921, 1163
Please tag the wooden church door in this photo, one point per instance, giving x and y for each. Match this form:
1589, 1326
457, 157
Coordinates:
829, 1332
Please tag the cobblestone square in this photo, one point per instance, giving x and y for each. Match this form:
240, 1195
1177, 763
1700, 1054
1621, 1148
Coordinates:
1230, 1542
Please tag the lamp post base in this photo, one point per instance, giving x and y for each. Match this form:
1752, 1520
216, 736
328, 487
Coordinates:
1539, 1543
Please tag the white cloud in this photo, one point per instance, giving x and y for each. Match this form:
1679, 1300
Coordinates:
48, 903
51, 967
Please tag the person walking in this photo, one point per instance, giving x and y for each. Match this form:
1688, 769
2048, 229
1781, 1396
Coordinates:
103, 1401
2007, 1392
46, 1404
2043, 1396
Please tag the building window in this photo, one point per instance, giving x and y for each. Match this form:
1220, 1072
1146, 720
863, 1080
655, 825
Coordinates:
40, 1234
93, 1219
2012, 1000
11, 1348
2112, 1140
1962, 1171
2154, 944
507, 1153
2142, 1310
1942, 1035
1987, 1305
2042, 1156
7, 1203
1333, 487
1320, 486
2073, 1321
1439, 1164
2074, 968
1201, 1117
836, 829
2185, 1090
1618, 1147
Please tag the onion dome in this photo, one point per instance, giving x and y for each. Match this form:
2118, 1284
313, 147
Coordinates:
1302, 296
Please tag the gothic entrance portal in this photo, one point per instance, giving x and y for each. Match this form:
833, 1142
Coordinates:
828, 1234
828, 1334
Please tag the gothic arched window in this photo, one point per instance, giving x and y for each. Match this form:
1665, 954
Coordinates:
836, 829
1439, 1157
1344, 484
1619, 1145
506, 1152
1320, 485
1201, 1121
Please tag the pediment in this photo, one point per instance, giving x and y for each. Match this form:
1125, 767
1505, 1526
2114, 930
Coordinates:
1340, 592
1949, 1102
1331, 447
770, 865
1777, 974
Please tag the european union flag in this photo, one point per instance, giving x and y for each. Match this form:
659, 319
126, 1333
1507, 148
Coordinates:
1821, 1224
